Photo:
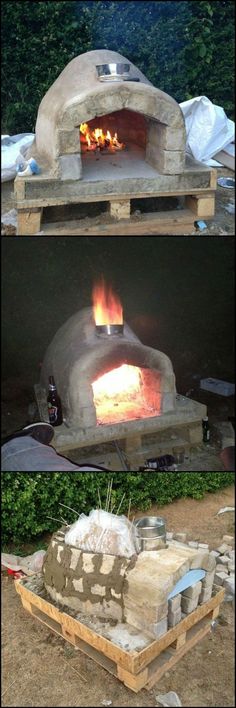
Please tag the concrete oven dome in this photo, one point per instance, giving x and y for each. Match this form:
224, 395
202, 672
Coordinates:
145, 115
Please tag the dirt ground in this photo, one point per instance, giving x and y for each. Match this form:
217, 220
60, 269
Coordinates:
223, 222
41, 669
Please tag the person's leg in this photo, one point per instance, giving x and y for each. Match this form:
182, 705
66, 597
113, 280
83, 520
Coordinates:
26, 454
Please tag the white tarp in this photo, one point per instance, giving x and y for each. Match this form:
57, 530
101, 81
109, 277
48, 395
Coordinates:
12, 149
207, 126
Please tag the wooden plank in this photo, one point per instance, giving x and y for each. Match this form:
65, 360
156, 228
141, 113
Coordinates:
213, 181
132, 681
166, 661
158, 646
203, 207
28, 221
227, 160
169, 223
180, 641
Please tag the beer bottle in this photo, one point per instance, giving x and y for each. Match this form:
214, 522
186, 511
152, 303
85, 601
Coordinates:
54, 404
206, 429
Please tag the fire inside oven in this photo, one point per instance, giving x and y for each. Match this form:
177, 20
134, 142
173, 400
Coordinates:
113, 133
126, 392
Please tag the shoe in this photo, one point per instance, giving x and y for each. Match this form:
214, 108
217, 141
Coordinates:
42, 432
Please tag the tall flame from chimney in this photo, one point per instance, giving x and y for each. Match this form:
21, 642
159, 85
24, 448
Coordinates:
107, 308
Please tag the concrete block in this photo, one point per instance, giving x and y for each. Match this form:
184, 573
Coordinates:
223, 560
205, 595
231, 567
70, 166
189, 604
203, 545
223, 549
229, 584
98, 589
167, 138
220, 577
193, 544
215, 554
183, 615
159, 628
169, 535
208, 580
219, 567
180, 537
174, 603
231, 555
193, 591
203, 560
165, 161
229, 540
174, 617
148, 614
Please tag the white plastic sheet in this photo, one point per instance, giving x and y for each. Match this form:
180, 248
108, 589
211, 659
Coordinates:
102, 532
207, 126
29, 564
13, 148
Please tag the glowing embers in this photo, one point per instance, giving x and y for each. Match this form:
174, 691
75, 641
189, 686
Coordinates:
126, 393
98, 140
107, 308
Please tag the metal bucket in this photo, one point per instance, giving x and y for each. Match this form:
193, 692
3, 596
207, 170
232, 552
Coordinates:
151, 533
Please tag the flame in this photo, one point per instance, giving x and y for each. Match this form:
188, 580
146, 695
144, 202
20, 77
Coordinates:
124, 379
96, 139
107, 308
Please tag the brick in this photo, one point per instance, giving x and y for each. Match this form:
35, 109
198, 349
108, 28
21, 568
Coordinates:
220, 577
180, 537
169, 535
208, 580
107, 564
231, 555
88, 565
193, 591
174, 617
205, 595
75, 555
231, 567
219, 568
203, 545
174, 603
229, 584
188, 604
193, 544
229, 540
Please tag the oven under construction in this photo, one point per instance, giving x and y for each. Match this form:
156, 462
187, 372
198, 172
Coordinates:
111, 138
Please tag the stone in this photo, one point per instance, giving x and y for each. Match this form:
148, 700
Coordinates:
70, 166
193, 544
78, 584
189, 604
107, 564
208, 580
174, 617
180, 537
98, 589
231, 567
228, 539
219, 567
229, 585
59, 552
193, 591
174, 603
220, 577
231, 555
115, 594
205, 595
88, 562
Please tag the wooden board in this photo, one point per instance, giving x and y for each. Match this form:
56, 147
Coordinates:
136, 669
164, 222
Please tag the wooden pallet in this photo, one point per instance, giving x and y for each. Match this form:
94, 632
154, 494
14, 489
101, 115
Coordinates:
136, 669
35, 193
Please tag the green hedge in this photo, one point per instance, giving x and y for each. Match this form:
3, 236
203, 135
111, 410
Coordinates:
184, 48
27, 499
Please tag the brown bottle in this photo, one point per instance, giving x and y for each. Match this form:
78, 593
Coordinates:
54, 404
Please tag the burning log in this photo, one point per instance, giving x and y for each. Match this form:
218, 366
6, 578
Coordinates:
98, 140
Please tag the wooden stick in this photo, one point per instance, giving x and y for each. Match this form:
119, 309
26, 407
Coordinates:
109, 501
69, 507
99, 499
120, 504
129, 507
53, 518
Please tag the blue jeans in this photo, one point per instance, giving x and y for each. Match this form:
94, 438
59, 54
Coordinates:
24, 454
